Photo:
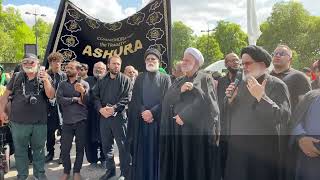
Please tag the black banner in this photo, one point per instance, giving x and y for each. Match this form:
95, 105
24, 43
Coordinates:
81, 37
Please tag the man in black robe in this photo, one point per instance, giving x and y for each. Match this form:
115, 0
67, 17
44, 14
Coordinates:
255, 109
305, 139
190, 124
144, 118
232, 62
93, 122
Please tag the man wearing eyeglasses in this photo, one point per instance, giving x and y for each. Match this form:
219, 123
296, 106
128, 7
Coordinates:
30, 92
298, 85
232, 63
254, 110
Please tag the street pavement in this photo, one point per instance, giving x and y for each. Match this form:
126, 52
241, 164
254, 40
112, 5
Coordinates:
55, 170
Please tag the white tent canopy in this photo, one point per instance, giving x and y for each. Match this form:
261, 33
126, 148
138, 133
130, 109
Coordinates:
217, 66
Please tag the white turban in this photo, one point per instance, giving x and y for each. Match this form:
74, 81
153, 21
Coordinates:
196, 54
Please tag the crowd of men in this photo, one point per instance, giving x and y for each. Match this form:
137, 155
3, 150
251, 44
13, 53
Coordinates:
251, 124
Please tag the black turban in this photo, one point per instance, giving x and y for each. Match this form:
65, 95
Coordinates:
154, 52
258, 54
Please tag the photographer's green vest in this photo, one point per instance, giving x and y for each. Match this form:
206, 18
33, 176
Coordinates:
28, 100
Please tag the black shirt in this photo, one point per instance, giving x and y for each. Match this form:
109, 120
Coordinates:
72, 112
298, 84
109, 91
21, 110
223, 84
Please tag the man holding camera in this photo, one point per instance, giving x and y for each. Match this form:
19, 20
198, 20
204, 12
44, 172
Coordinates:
30, 90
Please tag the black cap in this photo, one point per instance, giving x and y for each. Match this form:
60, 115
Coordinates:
154, 52
258, 54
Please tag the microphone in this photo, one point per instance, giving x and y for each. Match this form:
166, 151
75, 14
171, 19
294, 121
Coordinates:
237, 80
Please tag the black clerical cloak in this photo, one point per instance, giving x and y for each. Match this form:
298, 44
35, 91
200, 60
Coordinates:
189, 152
143, 138
299, 115
253, 144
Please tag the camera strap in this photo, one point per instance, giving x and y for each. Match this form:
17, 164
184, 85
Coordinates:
15, 78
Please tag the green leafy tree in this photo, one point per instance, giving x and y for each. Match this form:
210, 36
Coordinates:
17, 34
230, 37
210, 49
290, 23
182, 38
43, 31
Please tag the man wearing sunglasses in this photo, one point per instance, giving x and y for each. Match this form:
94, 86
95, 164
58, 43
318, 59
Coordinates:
298, 85
30, 91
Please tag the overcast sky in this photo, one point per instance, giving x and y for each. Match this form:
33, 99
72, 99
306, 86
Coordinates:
198, 14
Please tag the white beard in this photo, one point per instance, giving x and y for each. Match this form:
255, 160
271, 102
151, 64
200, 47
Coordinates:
186, 69
30, 70
255, 74
98, 75
152, 68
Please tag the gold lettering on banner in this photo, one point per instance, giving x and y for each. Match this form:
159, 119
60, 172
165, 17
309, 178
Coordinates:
87, 51
127, 48
107, 53
120, 50
97, 53
138, 45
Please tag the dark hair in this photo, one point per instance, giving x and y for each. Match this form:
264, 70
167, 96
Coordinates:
114, 56
306, 69
55, 56
78, 64
85, 66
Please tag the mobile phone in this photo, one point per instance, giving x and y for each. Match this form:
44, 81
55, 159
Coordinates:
78, 79
42, 68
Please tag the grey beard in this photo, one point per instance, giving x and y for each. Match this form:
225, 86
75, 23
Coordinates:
30, 70
98, 76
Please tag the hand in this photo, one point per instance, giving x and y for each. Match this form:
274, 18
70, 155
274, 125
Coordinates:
306, 144
79, 88
77, 99
147, 116
3, 117
110, 110
231, 88
43, 75
256, 90
178, 120
187, 86
104, 112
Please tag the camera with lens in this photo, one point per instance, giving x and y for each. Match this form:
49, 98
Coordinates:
31, 99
